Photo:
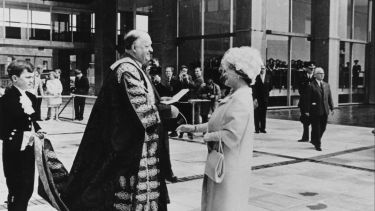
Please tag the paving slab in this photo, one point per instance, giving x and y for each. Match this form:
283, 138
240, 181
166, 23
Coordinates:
286, 175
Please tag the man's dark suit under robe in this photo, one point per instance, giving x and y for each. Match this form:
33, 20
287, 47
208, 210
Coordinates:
18, 165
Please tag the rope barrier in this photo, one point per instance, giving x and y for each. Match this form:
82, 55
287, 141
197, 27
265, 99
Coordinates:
67, 96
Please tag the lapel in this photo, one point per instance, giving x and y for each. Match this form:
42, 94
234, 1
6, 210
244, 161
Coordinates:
323, 87
13, 91
318, 88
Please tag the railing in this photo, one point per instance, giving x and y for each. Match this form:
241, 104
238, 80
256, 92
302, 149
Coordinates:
71, 99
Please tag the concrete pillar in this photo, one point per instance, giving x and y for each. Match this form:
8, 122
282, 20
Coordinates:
325, 43
243, 23
163, 31
105, 39
83, 59
61, 61
251, 25
371, 61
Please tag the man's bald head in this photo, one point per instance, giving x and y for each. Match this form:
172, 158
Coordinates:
319, 73
138, 44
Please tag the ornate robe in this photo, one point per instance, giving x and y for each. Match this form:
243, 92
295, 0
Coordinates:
119, 163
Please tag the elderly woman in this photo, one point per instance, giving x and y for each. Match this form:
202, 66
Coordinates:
232, 123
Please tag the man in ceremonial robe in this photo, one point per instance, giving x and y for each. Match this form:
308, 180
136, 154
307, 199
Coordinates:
120, 164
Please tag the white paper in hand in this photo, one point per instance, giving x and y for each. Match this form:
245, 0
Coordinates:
176, 97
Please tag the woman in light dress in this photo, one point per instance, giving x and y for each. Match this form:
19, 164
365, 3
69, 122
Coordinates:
54, 89
232, 123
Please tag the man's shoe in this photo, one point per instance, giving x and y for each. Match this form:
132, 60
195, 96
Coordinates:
190, 135
173, 134
181, 135
263, 131
256, 131
318, 149
303, 140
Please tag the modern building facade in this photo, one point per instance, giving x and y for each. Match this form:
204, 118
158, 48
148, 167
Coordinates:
54, 35
336, 34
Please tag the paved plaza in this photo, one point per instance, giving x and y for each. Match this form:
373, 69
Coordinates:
286, 174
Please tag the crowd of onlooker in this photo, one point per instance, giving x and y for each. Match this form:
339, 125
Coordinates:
170, 81
47, 86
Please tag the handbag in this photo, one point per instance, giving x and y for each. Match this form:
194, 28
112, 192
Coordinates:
215, 164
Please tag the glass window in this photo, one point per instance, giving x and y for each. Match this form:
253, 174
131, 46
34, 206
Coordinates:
352, 72
217, 17
40, 19
1, 19
73, 22
82, 27
301, 16
118, 27
189, 53
277, 64
61, 27
300, 54
214, 50
345, 18
360, 19
190, 17
241, 14
92, 23
141, 22
16, 20
344, 71
358, 72
277, 15
40, 23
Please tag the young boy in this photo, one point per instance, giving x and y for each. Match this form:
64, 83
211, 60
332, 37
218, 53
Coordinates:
17, 123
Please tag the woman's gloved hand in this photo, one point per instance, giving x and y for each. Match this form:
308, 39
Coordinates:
186, 128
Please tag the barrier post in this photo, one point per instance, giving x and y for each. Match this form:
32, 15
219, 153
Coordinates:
66, 104
73, 109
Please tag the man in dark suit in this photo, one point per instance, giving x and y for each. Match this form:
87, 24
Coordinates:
306, 78
170, 82
81, 87
171, 85
162, 90
317, 104
261, 92
17, 123
356, 70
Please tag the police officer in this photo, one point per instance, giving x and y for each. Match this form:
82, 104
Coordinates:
306, 78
